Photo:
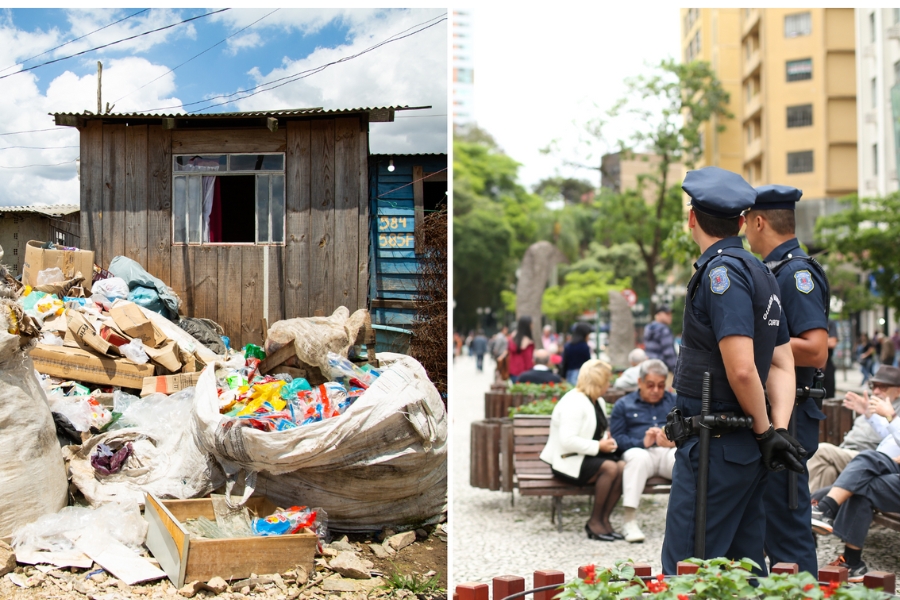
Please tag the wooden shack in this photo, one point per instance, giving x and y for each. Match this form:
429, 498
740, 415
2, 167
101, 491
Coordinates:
58, 223
247, 216
403, 188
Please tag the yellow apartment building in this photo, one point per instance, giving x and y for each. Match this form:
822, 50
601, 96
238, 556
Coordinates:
713, 35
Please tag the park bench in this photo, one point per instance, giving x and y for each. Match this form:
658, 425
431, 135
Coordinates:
534, 477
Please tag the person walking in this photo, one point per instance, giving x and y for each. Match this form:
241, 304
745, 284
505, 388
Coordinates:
580, 450
805, 298
865, 354
734, 330
658, 340
479, 348
520, 349
576, 352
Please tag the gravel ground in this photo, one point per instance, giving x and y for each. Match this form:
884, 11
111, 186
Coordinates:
489, 537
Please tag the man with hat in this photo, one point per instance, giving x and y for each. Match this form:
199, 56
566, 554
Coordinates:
831, 460
805, 297
734, 331
871, 480
658, 340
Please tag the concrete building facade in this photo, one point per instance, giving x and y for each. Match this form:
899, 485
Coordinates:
878, 85
713, 35
463, 68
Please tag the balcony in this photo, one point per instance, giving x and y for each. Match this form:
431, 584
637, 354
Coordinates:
751, 64
753, 150
750, 21
752, 108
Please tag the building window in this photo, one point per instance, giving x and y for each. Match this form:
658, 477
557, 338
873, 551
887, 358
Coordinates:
874, 159
799, 116
228, 199
872, 31
896, 12
874, 86
798, 70
693, 48
800, 162
797, 24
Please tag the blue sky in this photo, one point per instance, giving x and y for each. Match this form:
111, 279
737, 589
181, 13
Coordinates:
260, 47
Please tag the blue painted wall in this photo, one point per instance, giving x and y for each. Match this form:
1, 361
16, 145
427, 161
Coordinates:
395, 265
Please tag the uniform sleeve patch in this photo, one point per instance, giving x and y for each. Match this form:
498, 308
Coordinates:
804, 281
718, 280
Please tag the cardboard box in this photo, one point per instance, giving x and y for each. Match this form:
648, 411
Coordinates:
81, 365
132, 322
69, 262
86, 335
168, 384
166, 356
186, 558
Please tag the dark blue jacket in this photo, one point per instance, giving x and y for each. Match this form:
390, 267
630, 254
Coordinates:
659, 343
632, 417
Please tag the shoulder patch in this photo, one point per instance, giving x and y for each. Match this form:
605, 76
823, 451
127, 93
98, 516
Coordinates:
718, 280
804, 281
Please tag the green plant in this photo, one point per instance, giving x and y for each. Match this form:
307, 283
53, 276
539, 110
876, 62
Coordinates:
415, 583
541, 391
613, 583
538, 407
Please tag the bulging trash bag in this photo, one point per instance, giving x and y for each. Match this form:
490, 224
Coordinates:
136, 276
149, 299
32, 473
381, 463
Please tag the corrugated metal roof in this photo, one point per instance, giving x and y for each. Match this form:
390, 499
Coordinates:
55, 210
383, 112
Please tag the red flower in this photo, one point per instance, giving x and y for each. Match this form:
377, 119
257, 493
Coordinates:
834, 585
591, 577
808, 587
827, 591
682, 597
660, 577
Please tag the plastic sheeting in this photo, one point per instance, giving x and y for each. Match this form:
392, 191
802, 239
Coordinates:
315, 337
33, 476
166, 461
135, 275
381, 463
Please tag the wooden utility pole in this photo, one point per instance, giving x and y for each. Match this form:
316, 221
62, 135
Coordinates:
99, 86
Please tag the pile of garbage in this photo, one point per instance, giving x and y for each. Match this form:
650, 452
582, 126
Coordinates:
110, 406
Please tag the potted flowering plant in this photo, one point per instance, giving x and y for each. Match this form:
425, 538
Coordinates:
714, 580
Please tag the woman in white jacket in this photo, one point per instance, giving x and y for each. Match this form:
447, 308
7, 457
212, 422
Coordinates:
580, 450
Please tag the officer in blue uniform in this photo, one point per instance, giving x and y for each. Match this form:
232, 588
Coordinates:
734, 330
804, 299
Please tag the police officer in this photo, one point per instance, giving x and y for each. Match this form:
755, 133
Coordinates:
804, 300
734, 330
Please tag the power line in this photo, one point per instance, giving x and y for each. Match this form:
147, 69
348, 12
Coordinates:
29, 166
36, 147
50, 62
196, 55
301, 74
75, 40
32, 131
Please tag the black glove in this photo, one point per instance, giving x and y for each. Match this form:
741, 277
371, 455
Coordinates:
777, 452
793, 441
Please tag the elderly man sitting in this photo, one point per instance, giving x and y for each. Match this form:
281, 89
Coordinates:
637, 423
629, 377
828, 462
540, 372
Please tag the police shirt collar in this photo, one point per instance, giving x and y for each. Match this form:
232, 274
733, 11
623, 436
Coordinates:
729, 242
789, 247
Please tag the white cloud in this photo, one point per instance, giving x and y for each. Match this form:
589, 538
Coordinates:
412, 71
244, 41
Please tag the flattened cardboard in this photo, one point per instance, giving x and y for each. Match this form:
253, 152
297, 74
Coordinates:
132, 322
169, 384
68, 261
87, 337
166, 356
80, 365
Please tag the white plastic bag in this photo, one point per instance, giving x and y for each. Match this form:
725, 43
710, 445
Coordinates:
54, 532
32, 473
381, 463
48, 276
134, 351
112, 288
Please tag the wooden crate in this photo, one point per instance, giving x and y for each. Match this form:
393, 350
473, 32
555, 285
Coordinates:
186, 559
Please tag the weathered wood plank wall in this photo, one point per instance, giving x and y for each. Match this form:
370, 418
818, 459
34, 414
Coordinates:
126, 208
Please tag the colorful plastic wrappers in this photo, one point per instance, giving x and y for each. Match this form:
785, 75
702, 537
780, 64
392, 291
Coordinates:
284, 522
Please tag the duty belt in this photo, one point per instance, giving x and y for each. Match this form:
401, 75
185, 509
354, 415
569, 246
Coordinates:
679, 428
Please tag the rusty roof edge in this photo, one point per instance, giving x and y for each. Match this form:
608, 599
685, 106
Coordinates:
87, 115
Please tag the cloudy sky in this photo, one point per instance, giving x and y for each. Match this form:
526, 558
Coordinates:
540, 74
241, 49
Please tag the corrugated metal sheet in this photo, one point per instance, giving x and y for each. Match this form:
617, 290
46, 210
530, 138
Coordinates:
56, 210
294, 112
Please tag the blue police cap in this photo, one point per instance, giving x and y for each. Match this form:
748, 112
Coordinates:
777, 196
718, 193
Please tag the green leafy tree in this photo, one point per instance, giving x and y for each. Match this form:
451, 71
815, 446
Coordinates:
670, 104
580, 292
571, 190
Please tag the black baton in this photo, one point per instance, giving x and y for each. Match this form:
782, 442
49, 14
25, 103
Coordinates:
702, 474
